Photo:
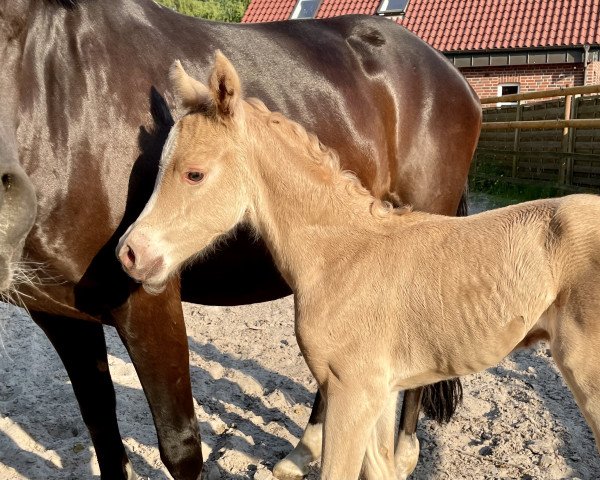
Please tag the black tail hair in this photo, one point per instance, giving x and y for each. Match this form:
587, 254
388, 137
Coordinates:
463, 205
441, 400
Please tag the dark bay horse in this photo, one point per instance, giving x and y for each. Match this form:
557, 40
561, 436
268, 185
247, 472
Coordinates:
92, 124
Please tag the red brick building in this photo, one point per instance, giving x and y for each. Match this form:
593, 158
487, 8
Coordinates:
501, 46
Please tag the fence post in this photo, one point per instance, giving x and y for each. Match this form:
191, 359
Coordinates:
515, 159
570, 142
566, 158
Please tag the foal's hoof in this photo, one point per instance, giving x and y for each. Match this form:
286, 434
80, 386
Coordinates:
287, 469
407, 455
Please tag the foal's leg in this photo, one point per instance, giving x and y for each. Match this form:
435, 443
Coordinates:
407, 451
575, 347
82, 349
351, 415
295, 464
379, 462
153, 331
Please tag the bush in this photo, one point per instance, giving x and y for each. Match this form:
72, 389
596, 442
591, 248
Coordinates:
223, 10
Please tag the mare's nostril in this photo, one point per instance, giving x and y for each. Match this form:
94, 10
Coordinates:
7, 181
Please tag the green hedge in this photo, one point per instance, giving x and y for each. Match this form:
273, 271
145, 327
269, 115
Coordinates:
223, 10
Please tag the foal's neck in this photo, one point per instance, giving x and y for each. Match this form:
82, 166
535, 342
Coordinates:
308, 212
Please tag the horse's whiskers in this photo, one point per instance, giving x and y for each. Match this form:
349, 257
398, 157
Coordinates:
34, 274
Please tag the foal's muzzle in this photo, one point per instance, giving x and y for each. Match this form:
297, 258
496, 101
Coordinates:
135, 254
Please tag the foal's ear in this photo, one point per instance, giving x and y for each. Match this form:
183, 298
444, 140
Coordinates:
226, 88
189, 92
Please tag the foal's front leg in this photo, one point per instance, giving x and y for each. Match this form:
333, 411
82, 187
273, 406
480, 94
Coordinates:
379, 462
295, 465
352, 413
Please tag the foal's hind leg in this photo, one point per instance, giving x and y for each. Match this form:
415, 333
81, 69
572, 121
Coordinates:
575, 347
295, 465
407, 451
82, 349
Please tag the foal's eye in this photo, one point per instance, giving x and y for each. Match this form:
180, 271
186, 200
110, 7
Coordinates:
194, 177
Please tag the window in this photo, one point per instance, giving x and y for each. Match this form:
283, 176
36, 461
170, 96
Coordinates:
392, 7
306, 9
507, 89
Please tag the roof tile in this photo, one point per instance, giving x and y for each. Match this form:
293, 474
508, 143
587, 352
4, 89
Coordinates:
455, 25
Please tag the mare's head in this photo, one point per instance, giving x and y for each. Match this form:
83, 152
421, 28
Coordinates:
200, 192
17, 205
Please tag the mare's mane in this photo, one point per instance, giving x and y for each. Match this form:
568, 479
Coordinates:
324, 157
64, 3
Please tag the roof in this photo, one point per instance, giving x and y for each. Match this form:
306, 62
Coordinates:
468, 25
272, 10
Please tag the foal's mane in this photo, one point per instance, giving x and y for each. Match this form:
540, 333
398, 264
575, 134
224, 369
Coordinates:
325, 158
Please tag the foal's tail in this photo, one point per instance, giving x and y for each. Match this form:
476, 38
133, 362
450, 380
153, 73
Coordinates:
441, 399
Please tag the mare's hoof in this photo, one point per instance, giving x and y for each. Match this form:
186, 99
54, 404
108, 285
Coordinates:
131, 475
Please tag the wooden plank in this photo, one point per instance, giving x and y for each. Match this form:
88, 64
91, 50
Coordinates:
586, 181
595, 169
539, 166
544, 177
559, 92
543, 124
589, 110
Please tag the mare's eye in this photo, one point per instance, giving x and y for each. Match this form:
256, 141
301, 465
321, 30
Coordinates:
194, 177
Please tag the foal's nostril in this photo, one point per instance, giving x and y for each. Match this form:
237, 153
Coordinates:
130, 256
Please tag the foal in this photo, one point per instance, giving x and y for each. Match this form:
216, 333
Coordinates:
386, 299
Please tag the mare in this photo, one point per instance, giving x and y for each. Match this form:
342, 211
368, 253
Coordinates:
91, 128
385, 299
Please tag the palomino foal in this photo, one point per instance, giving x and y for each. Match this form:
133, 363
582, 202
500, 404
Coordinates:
385, 299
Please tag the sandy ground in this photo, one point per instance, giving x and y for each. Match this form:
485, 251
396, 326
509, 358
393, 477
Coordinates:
253, 394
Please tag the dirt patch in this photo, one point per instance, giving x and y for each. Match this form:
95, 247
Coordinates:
253, 394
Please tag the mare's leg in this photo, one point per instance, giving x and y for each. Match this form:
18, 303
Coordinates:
379, 462
153, 331
352, 413
82, 349
295, 464
407, 451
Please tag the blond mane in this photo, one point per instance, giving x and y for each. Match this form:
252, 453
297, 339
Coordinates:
326, 159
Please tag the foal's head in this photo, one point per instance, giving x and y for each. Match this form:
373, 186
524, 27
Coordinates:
201, 189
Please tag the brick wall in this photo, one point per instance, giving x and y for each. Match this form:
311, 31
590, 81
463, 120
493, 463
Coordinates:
592, 75
485, 80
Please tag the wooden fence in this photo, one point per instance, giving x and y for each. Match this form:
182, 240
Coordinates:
554, 141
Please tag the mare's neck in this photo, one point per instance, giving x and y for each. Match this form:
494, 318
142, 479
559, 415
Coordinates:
13, 20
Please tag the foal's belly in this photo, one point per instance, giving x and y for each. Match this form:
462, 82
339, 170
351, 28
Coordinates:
462, 354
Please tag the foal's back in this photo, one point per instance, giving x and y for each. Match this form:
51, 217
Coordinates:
464, 292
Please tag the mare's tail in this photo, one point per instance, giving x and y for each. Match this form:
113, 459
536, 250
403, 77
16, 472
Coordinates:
441, 399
